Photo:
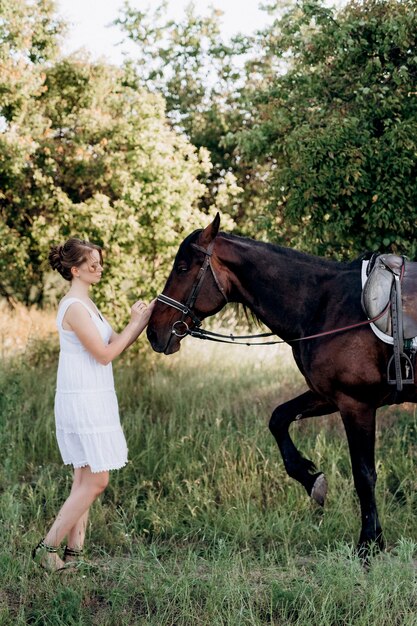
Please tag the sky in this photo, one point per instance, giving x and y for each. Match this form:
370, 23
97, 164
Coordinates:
89, 22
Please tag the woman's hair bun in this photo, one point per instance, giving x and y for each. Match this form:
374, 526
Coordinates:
55, 257
72, 253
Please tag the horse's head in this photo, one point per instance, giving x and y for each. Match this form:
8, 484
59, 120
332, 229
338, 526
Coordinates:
197, 283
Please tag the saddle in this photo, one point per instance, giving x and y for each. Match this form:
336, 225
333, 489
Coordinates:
391, 289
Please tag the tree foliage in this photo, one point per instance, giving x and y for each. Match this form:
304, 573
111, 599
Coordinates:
202, 78
90, 155
304, 133
339, 127
314, 116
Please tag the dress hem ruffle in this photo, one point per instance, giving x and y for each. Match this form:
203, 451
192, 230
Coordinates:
96, 471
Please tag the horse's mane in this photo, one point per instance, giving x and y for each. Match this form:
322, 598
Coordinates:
273, 247
294, 253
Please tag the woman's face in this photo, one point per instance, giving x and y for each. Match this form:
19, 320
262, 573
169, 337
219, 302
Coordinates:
90, 271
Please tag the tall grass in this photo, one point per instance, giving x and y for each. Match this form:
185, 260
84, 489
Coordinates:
203, 526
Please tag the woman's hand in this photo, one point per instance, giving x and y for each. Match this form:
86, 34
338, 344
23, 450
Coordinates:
141, 312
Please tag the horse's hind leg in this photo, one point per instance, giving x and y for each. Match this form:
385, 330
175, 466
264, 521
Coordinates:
359, 421
303, 470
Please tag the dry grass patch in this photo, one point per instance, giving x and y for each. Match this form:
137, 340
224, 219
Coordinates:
22, 327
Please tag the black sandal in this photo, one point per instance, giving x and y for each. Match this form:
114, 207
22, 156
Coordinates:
74, 553
39, 553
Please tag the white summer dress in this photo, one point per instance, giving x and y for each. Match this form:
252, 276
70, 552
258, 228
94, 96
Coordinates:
87, 420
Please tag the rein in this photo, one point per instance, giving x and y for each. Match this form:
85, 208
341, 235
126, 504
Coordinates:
201, 333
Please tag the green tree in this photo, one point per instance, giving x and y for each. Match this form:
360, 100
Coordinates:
202, 78
90, 155
118, 174
29, 37
339, 127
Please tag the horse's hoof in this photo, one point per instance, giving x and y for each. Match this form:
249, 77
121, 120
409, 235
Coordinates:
366, 549
319, 491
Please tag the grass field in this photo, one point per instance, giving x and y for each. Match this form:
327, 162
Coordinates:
203, 526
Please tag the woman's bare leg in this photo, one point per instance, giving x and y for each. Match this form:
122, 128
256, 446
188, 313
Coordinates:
87, 487
76, 536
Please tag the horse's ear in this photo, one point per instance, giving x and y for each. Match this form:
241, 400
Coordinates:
210, 231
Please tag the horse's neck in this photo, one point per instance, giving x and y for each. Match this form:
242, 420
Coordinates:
284, 288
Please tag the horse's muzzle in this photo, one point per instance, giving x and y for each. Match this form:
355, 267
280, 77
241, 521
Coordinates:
166, 342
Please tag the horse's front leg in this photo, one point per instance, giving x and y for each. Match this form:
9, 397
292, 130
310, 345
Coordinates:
307, 405
359, 421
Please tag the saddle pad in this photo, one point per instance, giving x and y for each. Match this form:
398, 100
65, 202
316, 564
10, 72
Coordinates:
376, 295
383, 336
409, 302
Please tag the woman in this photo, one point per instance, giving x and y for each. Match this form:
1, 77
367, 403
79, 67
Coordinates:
88, 428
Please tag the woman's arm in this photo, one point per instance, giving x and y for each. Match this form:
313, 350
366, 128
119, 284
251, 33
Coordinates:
145, 321
79, 320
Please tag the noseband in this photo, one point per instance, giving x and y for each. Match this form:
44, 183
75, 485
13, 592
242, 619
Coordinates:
186, 309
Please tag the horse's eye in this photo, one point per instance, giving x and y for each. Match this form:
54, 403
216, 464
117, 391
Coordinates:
181, 269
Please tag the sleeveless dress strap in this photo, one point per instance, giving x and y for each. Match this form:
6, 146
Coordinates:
63, 307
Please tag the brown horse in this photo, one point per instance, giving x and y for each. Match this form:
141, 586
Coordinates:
295, 295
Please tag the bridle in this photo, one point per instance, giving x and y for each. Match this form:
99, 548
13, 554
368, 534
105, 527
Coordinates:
201, 333
186, 309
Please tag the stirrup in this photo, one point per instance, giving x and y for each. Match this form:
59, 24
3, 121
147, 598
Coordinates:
405, 374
